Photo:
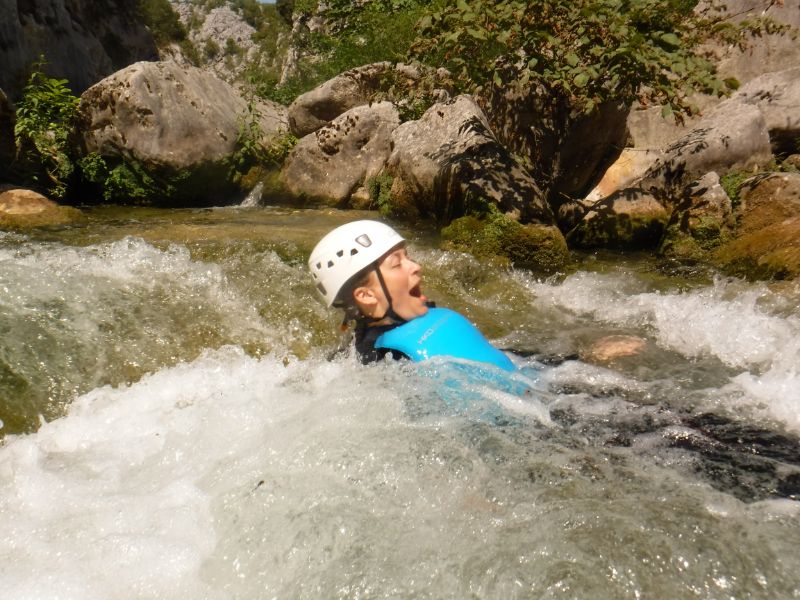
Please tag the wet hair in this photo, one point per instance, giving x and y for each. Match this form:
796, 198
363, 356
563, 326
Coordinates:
345, 299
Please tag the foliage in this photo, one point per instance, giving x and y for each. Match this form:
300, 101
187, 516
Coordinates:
44, 121
380, 192
162, 21
732, 182
356, 34
583, 52
129, 181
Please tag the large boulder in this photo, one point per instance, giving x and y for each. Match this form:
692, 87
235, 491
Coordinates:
331, 163
81, 41
777, 96
766, 241
21, 209
180, 126
733, 136
449, 158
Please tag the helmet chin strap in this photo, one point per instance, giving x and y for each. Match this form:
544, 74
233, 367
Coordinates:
389, 311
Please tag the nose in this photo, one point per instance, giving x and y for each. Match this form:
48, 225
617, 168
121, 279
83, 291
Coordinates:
413, 267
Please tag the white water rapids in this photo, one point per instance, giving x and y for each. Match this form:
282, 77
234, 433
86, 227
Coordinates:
198, 443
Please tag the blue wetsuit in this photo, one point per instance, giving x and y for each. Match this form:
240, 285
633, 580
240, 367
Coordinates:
439, 332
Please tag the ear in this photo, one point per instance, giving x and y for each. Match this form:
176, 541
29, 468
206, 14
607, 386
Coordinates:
365, 297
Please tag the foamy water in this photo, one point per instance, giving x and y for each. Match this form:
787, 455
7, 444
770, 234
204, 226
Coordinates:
229, 459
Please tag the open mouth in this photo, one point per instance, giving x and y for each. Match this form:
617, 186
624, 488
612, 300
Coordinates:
416, 292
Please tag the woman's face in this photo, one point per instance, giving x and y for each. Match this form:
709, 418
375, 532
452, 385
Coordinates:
402, 278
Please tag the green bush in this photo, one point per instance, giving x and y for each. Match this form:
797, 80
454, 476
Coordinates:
44, 120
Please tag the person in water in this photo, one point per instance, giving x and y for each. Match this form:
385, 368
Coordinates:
363, 267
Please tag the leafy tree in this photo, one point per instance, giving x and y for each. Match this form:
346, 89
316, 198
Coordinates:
584, 52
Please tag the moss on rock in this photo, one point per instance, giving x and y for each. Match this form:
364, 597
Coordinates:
534, 246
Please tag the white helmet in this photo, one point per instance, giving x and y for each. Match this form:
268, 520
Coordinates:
347, 250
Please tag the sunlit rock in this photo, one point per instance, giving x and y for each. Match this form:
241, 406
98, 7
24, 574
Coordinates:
403, 84
766, 242
629, 218
21, 208
777, 96
733, 136
631, 165
450, 157
331, 163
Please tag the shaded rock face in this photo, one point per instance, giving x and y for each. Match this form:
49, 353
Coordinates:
331, 163
450, 156
699, 222
630, 218
733, 136
173, 121
21, 208
567, 154
7, 145
766, 242
82, 40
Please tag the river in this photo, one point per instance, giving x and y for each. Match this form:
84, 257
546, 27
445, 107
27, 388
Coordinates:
174, 425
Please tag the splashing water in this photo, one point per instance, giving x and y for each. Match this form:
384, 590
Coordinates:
197, 443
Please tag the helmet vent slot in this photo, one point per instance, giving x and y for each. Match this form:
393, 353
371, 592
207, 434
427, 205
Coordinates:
354, 251
340, 253
319, 265
330, 264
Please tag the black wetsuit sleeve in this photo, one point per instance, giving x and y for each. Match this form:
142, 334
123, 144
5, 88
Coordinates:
365, 345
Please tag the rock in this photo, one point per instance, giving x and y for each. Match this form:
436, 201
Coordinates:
766, 241
762, 54
777, 96
450, 158
630, 218
631, 165
7, 145
733, 136
699, 221
323, 104
406, 85
330, 164
179, 125
81, 41
21, 208
606, 350
538, 247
